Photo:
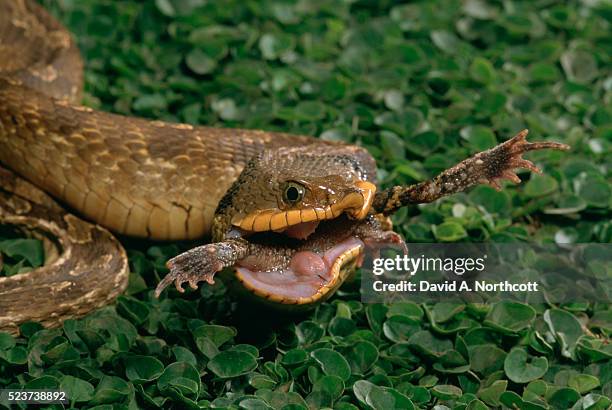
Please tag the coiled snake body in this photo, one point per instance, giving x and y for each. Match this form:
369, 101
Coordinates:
173, 181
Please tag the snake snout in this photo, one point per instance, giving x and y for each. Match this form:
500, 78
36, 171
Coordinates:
356, 204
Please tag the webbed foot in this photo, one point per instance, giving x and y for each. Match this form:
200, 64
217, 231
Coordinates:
200, 264
501, 161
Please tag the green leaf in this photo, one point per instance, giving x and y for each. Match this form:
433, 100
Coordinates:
583, 383
487, 358
199, 62
150, 102
490, 395
17, 355
273, 45
476, 405
544, 72
521, 368
494, 201
423, 143
294, 357
482, 71
77, 390
392, 145
512, 400
229, 363
386, 398
510, 317
110, 390
361, 356
132, 309
141, 369
310, 110
446, 392
181, 377
564, 398
43, 383
30, 250
479, 137
449, 231
6, 341
260, 381
429, 344
332, 363
402, 124
541, 185
479, 10
254, 404
166, 7
595, 192
172, 8
325, 391
380, 397
209, 338
400, 328
445, 41
566, 329
341, 327
408, 309
226, 109
280, 399
579, 66
361, 389
309, 332
184, 355
567, 204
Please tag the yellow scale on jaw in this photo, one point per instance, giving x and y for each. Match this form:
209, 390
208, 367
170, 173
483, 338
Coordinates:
356, 204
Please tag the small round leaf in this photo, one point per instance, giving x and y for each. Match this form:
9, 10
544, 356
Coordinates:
521, 368
231, 363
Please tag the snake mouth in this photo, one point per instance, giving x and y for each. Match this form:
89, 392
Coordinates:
321, 251
309, 277
356, 205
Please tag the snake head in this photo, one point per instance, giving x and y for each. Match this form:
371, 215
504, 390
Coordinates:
292, 190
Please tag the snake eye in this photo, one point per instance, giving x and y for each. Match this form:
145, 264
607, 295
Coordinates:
293, 193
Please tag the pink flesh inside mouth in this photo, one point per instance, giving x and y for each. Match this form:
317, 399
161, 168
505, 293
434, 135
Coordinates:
302, 230
306, 274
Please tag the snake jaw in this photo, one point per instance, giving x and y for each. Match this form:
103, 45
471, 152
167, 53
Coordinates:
355, 204
314, 272
294, 287
317, 267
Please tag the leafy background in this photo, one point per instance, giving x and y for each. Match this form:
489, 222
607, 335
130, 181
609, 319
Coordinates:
422, 85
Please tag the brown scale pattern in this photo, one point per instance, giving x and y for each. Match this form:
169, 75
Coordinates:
85, 268
136, 177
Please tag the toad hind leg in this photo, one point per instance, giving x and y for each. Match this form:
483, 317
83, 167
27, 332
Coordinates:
485, 167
